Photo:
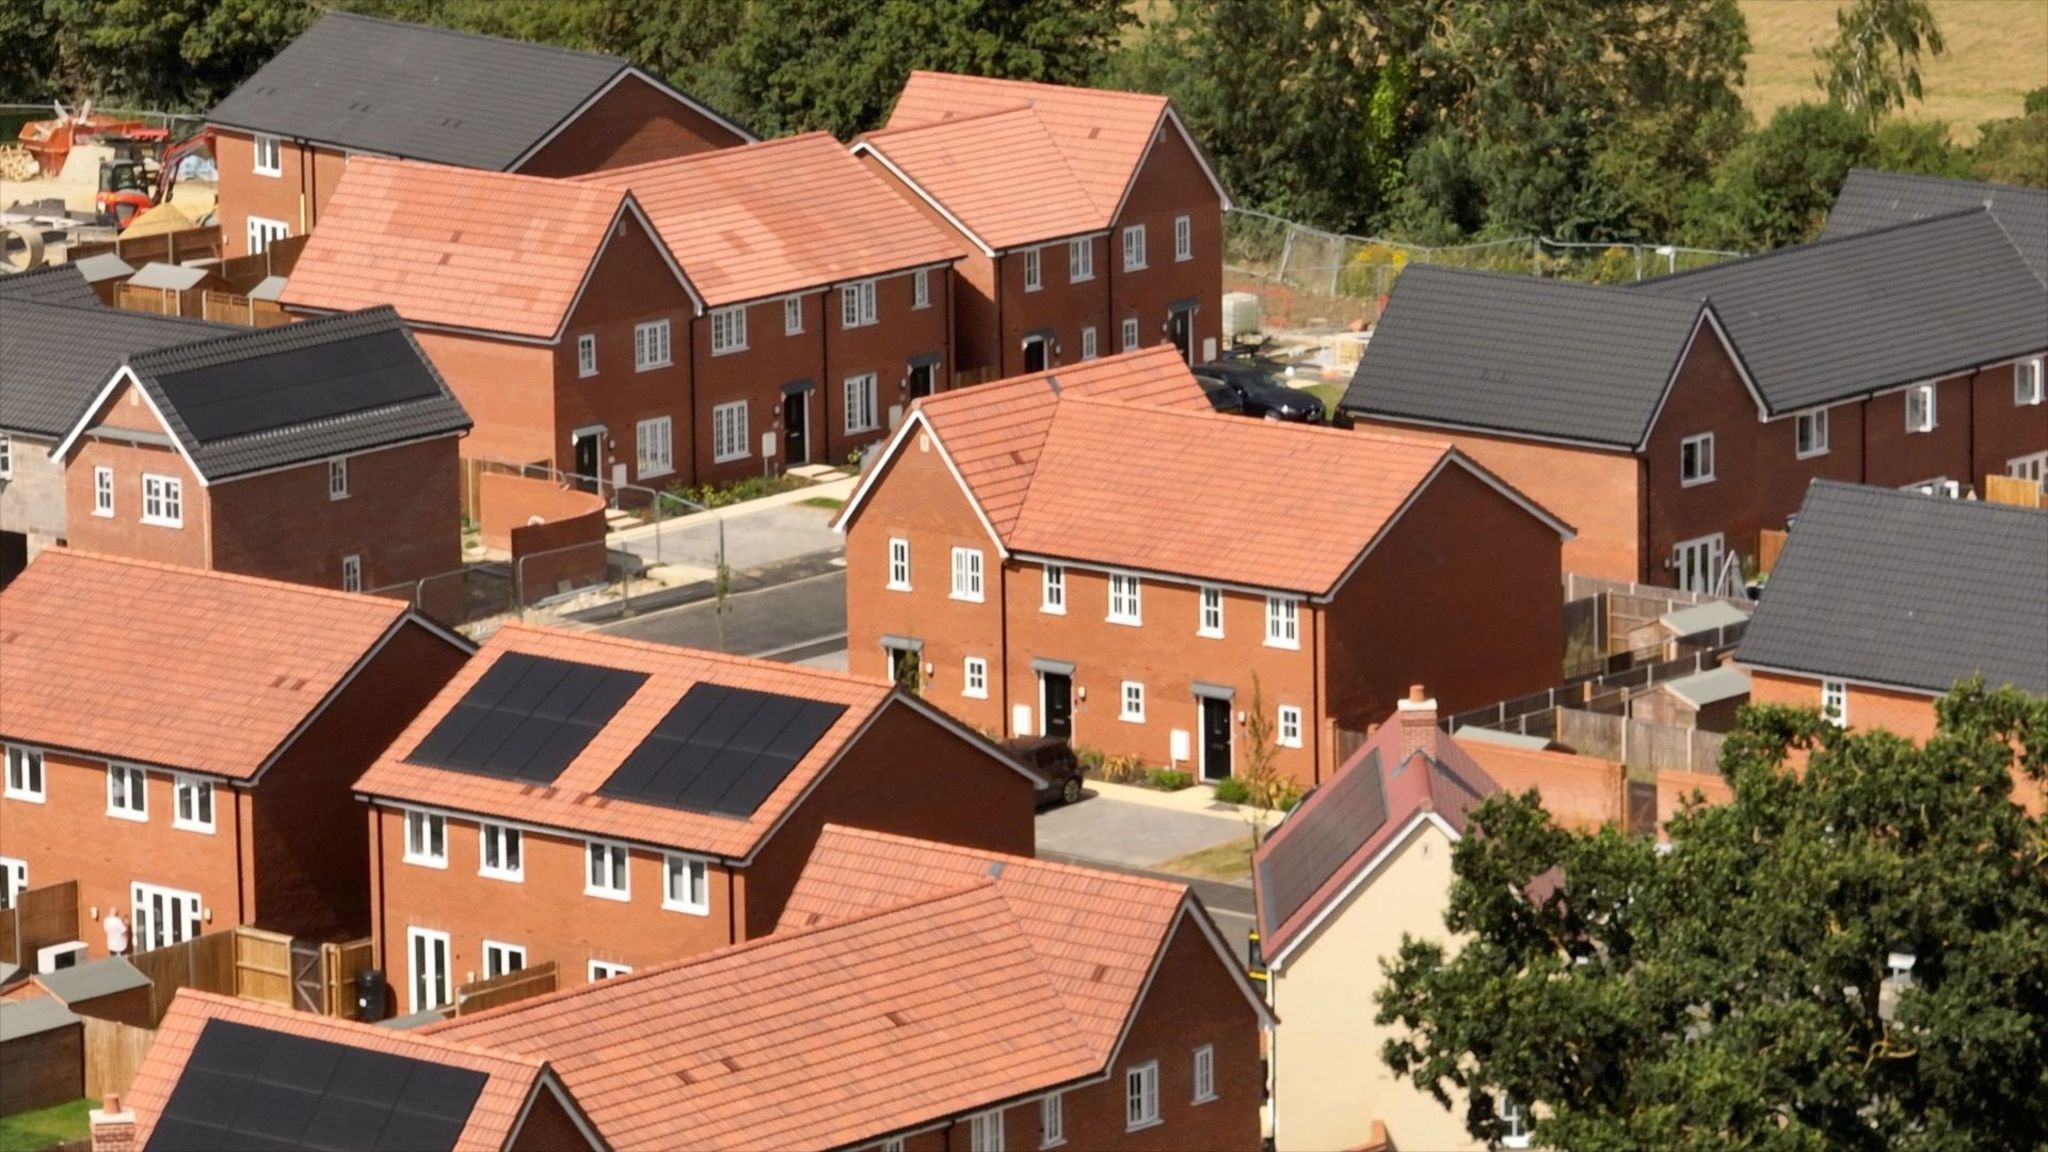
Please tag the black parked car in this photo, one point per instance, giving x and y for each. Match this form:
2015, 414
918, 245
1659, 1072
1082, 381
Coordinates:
1259, 392
1052, 758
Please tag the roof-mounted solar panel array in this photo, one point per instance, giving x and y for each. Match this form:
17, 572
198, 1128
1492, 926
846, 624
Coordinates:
527, 718
722, 750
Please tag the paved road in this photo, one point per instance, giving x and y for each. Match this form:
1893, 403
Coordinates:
795, 621
756, 538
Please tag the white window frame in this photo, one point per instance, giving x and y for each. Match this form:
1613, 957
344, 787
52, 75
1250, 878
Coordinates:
1514, 1121
6, 456
1080, 260
1288, 730
729, 432
25, 766
128, 792
2033, 466
1205, 1068
507, 843
892, 1144
185, 911
426, 838
1834, 702
1209, 611
1939, 486
192, 793
266, 155
967, 583
899, 564
2028, 384
1697, 454
1052, 590
262, 232
1034, 270
857, 304
696, 873
102, 491
974, 678
1126, 599
652, 347
792, 315
729, 330
1131, 702
352, 573
1141, 1096
165, 494
654, 446
428, 986
859, 394
1090, 349
337, 478
1134, 248
606, 970
1130, 334
1183, 238
1283, 622
921, 288
497, 957
13, 880
1928, 397
618, 861
1810, 434
586, 355
985, 1131
1052, 1120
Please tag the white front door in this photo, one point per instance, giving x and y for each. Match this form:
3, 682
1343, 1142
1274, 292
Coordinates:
162, 917
1697, 562
429, 952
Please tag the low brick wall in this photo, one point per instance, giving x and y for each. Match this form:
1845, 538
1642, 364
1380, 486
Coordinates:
554, 534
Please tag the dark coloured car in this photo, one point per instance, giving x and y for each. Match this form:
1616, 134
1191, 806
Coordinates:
1222, 396
1260, 393
1054, 760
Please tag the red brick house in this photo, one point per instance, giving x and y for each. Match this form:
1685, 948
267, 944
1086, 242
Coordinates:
182, 743
558, 316
1094, 222
921, 996
828, 300
608, 805
1674, 420
353, 86
321, 453
1094, 553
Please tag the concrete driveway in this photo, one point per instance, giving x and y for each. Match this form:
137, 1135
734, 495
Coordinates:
753, 537
1130, 834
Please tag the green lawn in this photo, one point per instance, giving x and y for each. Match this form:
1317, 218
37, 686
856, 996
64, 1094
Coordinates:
35, 1131
1329, 394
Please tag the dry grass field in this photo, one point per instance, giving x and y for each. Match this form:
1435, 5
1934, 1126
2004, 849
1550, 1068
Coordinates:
1997, 51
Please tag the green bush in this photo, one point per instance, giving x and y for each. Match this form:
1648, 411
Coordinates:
1231, 790
751, 488
1168, 780
1121, 768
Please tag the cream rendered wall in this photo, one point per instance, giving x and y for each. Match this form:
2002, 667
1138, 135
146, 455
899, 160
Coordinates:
1329, 1083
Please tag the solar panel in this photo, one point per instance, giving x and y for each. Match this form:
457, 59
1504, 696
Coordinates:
247, 1087
722, 750
526, 718
298, 385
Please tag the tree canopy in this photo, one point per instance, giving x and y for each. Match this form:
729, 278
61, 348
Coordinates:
1738, 990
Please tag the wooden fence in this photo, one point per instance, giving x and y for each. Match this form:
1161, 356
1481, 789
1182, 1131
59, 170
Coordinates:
538, 980
1640, 745
161, 301
340, 964
157, 247
204, 962
228, 308
2014, 490
38, 918
263, 966
1770, 544
113, 1053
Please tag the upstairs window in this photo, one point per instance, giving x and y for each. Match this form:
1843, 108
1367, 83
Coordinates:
24, 773
1205, 1062
501, 852
651, 348
1211, 622
193, 800
792, 315
1283, 622
1134, 248
1053, 591
857, 304
921, 288
687, 887
985, 1132
268, 156
967, 574
426, 839
1034, 276
1123, 599
1052, 1121
102, 491
1834, 702
1183, 238
1141, 1095
6, 456
899, 564
127, 792
163, 501
1696, 459
1080, 260
337, 479
1920, 414
1811, 433
729, 329
2026, 382
586, 355
607, 876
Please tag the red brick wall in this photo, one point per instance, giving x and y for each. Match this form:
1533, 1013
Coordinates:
633, 123
885, 348
243, 193
1061, 304
508, 390
1170, 184
548, 1127
756, 375
1908, 714
2002, 430
1894, 457
124, 533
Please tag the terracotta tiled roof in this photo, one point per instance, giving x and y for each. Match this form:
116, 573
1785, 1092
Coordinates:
1095, 932
811, 1038
1582, 792
510, 1079
454, 246
572, 802
780, 216
173, 666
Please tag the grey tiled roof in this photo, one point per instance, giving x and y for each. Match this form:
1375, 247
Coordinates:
417, 92
1871, 200
56, 284
93, 979
1521, 355
298, 392
55, 358
1840, 318
1901, 589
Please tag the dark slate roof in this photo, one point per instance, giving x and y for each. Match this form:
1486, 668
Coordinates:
420, 93
298, 392
1839, 318
56, 284
1870, 200
1896, 588
1521, 355
54, 358
1354, 808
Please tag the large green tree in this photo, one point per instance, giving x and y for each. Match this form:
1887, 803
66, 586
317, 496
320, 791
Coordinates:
1873, 64
1775, 188
2015, 150
1736, 992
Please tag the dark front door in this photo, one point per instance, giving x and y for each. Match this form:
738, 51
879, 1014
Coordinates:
1058, 690
796, 411
920, 381
1181, 323
1034, 354
1215, 738
585, 465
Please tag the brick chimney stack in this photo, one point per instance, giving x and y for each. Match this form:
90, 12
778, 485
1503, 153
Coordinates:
113, 1128
1418, 720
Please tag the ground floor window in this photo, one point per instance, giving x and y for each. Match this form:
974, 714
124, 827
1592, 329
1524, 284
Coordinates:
860, 403
503, 959
162, 917
655, 444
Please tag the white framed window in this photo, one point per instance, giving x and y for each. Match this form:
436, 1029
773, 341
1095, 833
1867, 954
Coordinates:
1939, 486
1052, 1121
607, 875
1130, 334
1183, 238
1124, 599
102, 491
921, 288
686, 885
1080, 260
729, 329
1134, 248
163, 501
1810, 433
267, 155
192, 803
1514, 1123
6, 456
429, 953
1089, 349
1205, 1062
729, 431
352, 573
1834, 702
262, 233
857, 304
967, 574
24, 773
13, 880
2033, 467
899, 564
503, 959
586, 355
1920, 414
127, 792
654, 445
159, 917
2027, 387
1283, 622
1034, 273
337, 478
651, 346
1290, 727
1211, 622
501, 852
792, 315
1052, 597
426, 838
860, 403
605, 970
974, 678
892, 1144
1133, 702
1141, 1095
1696, 459
985, 1132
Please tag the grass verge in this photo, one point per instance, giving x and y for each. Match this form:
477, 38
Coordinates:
47, 1127
1231, 861
824, 502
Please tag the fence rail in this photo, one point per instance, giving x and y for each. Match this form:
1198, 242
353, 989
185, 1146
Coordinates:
480, 995
113, 1054
38, 918
1609, 690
